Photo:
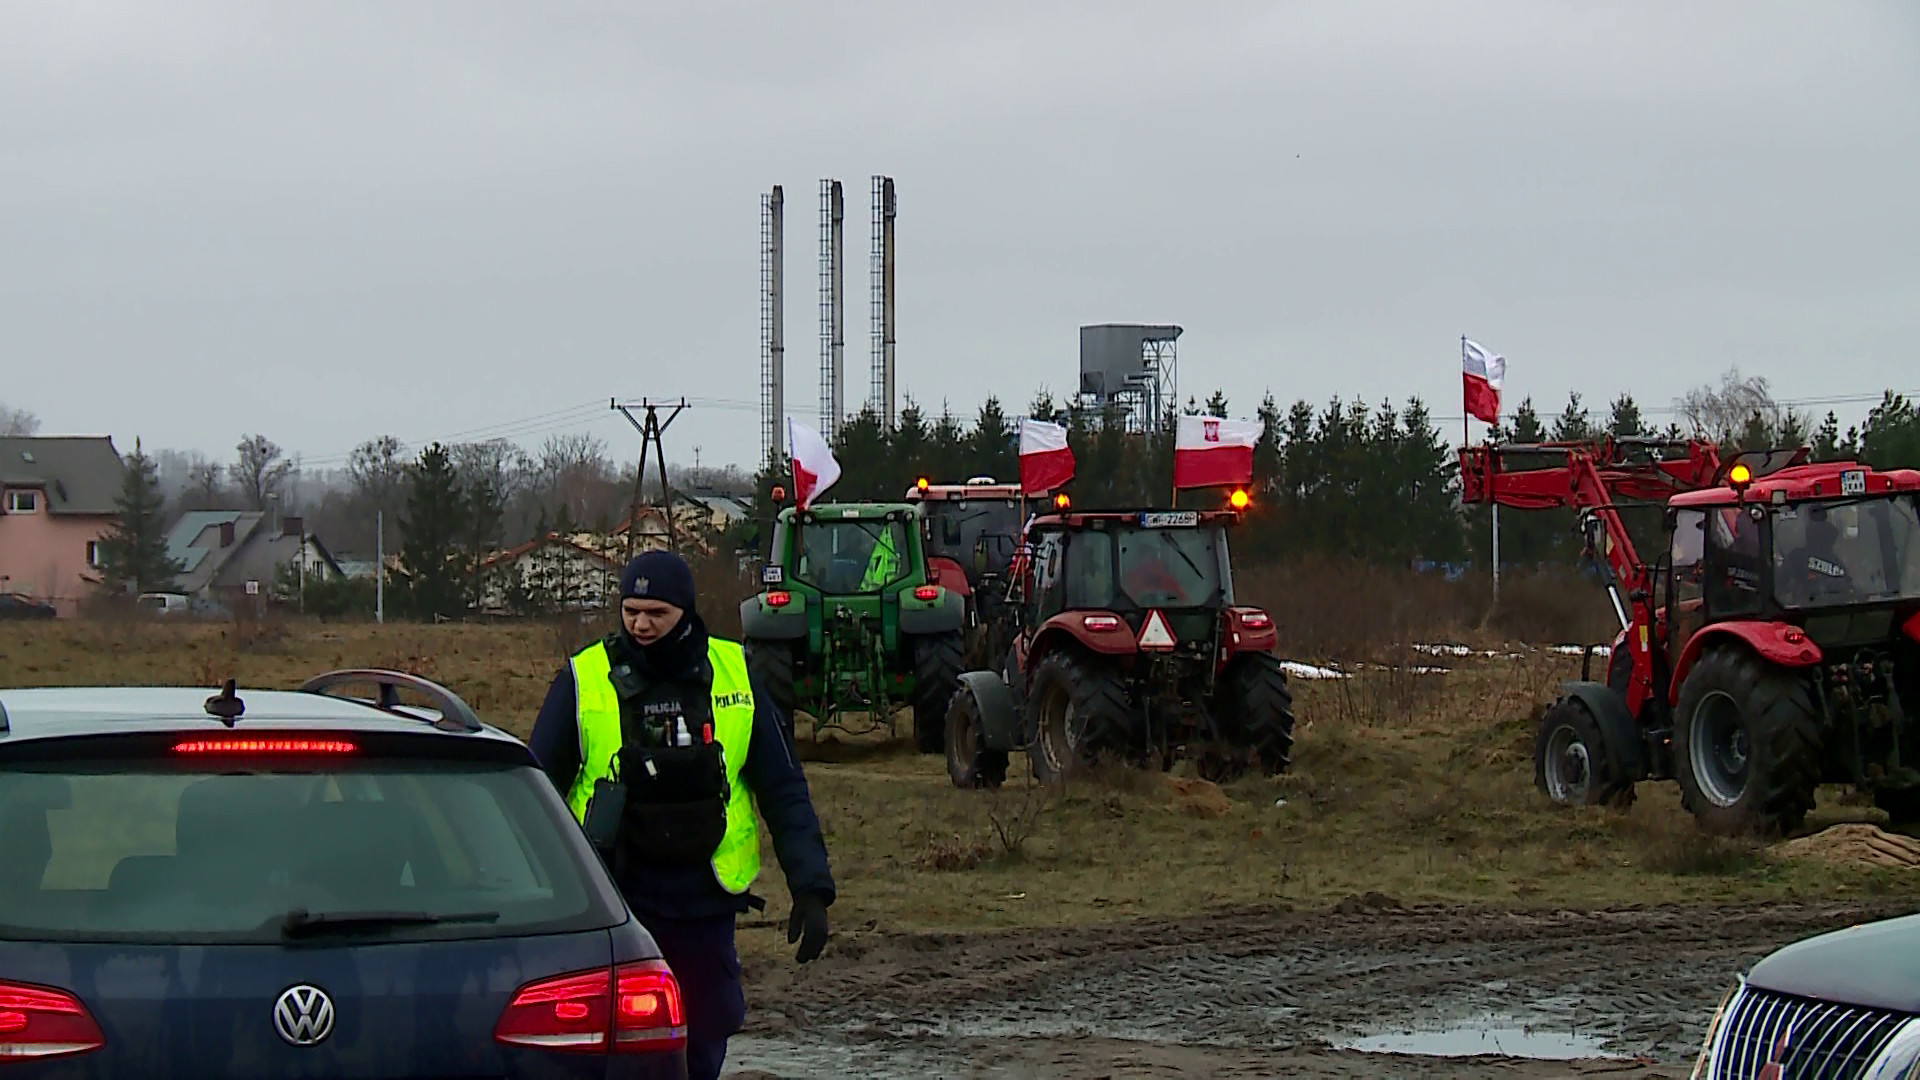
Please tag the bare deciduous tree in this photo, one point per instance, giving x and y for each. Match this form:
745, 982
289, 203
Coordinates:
17, 421
259, 470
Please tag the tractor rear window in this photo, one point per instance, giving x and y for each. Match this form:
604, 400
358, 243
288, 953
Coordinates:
1170, 568
958, 528
842, 557
1855, 552
147, 852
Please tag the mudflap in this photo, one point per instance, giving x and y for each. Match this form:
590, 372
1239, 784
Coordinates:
1617, 726
999, 713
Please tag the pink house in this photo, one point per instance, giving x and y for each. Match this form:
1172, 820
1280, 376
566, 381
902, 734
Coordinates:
56, 503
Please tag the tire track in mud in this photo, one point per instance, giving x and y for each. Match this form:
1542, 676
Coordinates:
1640, 980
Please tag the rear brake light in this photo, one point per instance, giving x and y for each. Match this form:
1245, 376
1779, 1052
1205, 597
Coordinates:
1101, 623
1255, 619
779, 599
649, 1014
41, 1022
264, 746
632, 1010
926, 592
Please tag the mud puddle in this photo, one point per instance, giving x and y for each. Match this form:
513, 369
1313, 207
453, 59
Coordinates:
1371, 988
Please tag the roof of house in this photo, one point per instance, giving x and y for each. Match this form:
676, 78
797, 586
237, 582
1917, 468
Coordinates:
80, 474
550, 540
194, 541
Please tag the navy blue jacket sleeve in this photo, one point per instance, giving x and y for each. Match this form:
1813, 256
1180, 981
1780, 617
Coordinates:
555, 741
772, 771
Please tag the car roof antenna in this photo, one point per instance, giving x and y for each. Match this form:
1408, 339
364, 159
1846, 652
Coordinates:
226, 704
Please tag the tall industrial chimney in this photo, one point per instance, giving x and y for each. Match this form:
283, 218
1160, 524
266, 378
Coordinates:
833, 401
773, 349
880, 300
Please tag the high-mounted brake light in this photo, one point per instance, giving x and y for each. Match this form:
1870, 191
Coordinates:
265, 746
926, 592
633, 1009
779, 598
42, 1022
1101, 623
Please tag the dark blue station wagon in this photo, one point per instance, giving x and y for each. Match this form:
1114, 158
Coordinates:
306, 884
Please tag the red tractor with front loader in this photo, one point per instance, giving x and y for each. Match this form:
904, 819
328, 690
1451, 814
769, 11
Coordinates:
1773, 646
1125, 641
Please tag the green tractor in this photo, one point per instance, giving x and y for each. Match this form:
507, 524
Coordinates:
850, 622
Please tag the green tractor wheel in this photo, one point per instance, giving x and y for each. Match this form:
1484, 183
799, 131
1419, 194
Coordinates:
938, 660
770, 666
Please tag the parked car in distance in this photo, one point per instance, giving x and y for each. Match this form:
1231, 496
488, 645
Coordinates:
160, 603
1840, 1004
21, 606
303, 883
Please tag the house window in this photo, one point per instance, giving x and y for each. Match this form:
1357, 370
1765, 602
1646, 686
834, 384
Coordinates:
23, 502
93, 553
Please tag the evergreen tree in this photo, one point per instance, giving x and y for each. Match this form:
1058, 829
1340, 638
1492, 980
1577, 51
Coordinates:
993, 445
1624, 420
1891, 437
436, 522
133, 557
1573, 424
1216, 405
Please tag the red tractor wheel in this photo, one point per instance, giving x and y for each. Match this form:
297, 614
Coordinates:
1076, 711
1746, 744
1572, 764
1254, 709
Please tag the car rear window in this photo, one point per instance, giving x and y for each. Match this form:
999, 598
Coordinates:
224, 851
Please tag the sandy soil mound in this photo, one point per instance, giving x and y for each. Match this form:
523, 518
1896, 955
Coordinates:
1855, 845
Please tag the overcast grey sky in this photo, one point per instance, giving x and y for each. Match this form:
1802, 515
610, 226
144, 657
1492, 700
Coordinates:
325, 221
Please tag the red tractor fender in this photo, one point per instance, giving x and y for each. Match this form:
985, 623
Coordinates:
1777, 643
1246, 630
949, 575
1071, 626
1912, 627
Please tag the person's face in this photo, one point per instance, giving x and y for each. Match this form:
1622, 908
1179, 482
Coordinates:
647, 621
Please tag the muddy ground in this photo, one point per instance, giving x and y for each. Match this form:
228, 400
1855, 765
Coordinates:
1470, 992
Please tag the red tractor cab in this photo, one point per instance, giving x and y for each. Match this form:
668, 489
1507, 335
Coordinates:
971, 533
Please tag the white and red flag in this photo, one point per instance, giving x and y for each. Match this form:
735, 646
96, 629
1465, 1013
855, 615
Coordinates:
1212, 452
1483, 374
814, 467
1046, 461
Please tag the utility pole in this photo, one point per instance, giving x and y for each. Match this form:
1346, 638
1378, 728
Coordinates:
651, 431
380, 566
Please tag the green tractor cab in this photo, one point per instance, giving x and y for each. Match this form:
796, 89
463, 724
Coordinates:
850, 622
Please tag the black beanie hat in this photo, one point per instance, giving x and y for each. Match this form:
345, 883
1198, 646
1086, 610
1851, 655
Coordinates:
659, 575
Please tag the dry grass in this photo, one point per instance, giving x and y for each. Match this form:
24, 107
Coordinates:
1416, 787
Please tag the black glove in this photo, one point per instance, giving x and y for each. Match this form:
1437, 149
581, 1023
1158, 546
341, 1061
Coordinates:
808, 926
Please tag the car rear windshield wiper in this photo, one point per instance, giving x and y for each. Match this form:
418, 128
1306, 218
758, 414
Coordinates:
303, 923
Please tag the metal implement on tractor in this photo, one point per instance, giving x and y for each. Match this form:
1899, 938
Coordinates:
851, 624
1125, 640
1772, 646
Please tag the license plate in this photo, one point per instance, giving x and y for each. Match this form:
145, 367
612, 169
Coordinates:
1853, 482
1170, 519
772, 575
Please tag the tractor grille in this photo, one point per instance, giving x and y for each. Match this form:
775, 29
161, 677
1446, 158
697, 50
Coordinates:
1823, 1041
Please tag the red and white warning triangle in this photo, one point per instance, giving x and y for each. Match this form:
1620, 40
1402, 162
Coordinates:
1155, 634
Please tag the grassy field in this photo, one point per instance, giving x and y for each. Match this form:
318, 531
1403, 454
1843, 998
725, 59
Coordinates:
1415, 785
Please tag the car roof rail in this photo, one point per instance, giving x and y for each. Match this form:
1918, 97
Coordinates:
455, 714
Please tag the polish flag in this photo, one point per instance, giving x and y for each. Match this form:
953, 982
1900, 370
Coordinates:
814, 466
1484, 373
1046, 461
1211, 452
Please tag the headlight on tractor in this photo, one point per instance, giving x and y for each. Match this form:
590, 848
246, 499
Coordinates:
1703, 1065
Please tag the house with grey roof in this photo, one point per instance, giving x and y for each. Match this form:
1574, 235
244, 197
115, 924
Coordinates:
57, 498
223, 550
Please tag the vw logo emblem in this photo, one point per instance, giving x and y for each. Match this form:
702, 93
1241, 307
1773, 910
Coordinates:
304, 1015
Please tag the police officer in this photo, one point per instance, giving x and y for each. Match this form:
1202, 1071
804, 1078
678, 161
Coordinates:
662, 749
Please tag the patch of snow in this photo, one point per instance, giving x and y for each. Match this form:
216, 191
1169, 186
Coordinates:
1298, 670
1444, 650
1576, 650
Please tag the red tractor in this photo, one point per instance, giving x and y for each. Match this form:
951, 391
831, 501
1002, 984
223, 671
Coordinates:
972, 530
1772, 647
1124, 641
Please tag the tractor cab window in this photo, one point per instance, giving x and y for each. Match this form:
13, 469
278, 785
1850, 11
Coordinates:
1688, 554
1733, 562
960, 528
1858, 551
844, 557
1049, 583
1171, 568
1090, 571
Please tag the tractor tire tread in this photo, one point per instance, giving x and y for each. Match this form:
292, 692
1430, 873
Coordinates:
938, 660
1783, 727
1259, 701
1096, 694
770, 666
